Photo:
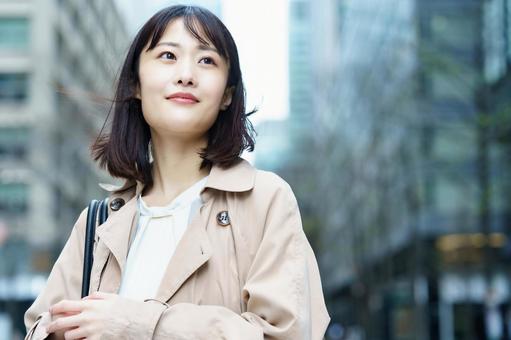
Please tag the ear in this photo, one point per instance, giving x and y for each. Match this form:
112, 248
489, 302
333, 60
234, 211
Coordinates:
227, 99
137, 92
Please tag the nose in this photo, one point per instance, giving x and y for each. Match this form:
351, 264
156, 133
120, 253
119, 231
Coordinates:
185, 74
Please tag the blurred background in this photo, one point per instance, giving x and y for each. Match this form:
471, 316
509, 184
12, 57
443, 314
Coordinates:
391, 120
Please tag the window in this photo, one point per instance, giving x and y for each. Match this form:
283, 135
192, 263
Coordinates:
14, 34
455, 30
299, 10
14, 142
449, 82
13, 197
13, 87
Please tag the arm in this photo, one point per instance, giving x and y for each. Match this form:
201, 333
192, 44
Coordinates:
282, 292
64, 282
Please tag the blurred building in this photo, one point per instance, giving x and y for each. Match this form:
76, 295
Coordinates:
285, 146
272, 144
410, 139
300, 66
58, 60
300, 92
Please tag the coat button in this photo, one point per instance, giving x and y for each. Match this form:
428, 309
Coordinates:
223, 218
116, 203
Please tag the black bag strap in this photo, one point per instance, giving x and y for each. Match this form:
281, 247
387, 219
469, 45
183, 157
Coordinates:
90, 230
103, 211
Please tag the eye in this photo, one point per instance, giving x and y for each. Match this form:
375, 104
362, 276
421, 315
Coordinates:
167, 55
209, 61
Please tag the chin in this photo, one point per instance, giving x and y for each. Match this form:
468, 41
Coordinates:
180, 123
181, 130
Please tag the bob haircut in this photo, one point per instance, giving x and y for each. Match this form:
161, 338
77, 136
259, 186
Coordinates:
124, 151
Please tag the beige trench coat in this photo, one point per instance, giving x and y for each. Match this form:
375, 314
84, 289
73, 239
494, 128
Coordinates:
256, 278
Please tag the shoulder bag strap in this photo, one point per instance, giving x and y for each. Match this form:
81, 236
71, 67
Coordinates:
95, 207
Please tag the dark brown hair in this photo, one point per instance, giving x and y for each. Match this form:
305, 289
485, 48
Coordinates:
124, 150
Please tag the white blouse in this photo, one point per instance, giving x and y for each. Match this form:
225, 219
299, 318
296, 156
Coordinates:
158, 232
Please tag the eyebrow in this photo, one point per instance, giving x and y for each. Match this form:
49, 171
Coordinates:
200, 47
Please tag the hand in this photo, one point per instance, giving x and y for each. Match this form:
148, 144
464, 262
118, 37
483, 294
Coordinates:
91, 317
60, 334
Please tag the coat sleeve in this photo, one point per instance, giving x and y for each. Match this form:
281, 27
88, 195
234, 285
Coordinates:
62, 283
282, 292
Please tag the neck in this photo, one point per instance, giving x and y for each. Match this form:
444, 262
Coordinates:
176, 165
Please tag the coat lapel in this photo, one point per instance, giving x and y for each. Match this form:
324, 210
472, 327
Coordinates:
115, 232
193, 250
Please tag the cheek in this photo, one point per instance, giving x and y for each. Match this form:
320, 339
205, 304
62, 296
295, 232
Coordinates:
152, 79
216, 89
152, 86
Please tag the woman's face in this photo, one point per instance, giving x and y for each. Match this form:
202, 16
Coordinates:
180, 67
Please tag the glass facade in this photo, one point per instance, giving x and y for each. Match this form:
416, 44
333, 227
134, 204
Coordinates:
13, 87
13, 198
408, 207
14, 143
14, 34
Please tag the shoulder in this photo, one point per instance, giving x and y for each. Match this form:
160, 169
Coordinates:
268, 190
269, 207
270, 184
244, 179
81, 221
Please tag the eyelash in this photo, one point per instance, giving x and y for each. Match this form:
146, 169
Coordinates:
166, 53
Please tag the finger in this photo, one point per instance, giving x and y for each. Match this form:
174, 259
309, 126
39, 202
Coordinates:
67, 306
64, 323
76, 333
60, 315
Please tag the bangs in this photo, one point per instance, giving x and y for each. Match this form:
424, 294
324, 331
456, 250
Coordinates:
202, 26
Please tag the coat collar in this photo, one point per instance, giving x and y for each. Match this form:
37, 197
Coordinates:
194, 249
236, 178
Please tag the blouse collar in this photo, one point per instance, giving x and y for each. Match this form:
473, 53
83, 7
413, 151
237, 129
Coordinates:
184, 199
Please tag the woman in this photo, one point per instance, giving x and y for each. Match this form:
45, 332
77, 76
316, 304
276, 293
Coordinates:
198, 243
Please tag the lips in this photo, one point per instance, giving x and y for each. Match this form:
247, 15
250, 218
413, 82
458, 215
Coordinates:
183, 97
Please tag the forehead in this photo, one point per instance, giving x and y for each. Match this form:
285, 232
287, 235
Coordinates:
176, 31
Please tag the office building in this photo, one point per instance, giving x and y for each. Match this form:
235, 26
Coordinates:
58, 61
